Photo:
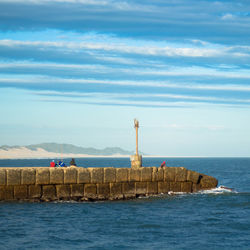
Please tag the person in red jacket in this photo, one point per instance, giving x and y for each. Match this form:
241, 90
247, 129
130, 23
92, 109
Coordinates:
52, 164
163, 164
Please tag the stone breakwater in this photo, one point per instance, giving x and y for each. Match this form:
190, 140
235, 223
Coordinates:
84, 184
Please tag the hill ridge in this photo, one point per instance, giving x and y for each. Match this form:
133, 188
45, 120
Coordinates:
71, 149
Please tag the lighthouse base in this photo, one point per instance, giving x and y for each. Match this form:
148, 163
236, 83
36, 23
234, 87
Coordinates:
136, 161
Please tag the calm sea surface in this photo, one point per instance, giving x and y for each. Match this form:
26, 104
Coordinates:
218, 219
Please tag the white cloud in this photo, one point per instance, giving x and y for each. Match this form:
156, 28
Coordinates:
118, 96
194, 71
159, 104
104, 100
228, 16
108, 46
87, 2
170, 71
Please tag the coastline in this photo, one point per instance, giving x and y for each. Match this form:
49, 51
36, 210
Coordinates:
24, 153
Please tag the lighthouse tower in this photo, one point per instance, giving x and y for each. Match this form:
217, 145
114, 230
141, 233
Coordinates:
136, 160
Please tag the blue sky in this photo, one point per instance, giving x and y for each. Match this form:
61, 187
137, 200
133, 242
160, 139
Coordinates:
80, 71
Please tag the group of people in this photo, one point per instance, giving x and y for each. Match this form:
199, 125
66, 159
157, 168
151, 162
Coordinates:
53, 164
60, 163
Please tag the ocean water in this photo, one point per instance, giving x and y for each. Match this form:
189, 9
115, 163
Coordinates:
215, 219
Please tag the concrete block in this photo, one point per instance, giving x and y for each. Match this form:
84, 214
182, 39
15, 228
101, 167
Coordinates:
169, 173
129, 196
56, 176
63, 191
152, 187
103, 191
48, 193
90, 191
97, 175
193, 176
121, 175
208, 182
134, 175
13, 176
6, 193
146, 174
83, 175
163, 187
175, 186
42, 176
196, 187
3, 177
20, 192
77, 190
186, 187
70, 175
154, 173
141, 188
109, 175
35, 191
28, 176
116, 191
128, 188
157, 174
160, 174
181, 174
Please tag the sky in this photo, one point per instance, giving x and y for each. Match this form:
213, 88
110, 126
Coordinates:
80, 71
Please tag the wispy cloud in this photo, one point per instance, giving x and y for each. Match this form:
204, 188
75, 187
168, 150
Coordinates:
125, 46
87, 2
228, 16
129, 93
138, 103
206, 20
136, 96
165, 84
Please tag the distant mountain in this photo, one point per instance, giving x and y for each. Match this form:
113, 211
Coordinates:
71, 149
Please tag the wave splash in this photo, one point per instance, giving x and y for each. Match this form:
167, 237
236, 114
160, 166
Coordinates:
219, 190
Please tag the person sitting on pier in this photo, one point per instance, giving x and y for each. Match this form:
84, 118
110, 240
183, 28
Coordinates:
62, 164
52, 164
72, 162
163, 164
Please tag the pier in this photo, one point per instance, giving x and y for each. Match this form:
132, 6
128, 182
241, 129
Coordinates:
91, 184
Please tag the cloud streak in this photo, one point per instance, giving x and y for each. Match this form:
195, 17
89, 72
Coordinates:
144, 48
56, 80
125, 92
206, 20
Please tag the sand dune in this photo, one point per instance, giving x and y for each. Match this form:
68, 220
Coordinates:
25, 153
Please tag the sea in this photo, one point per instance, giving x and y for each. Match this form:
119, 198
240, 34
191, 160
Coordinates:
214, 219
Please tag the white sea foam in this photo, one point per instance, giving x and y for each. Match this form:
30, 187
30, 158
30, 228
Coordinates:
218, 190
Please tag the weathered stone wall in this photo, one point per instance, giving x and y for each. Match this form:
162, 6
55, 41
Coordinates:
49, 184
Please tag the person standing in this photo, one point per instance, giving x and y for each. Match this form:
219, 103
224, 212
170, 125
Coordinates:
163, 164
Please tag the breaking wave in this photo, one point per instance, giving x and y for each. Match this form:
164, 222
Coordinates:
219, 190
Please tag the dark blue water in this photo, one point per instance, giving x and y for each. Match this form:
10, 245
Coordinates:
218, 219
